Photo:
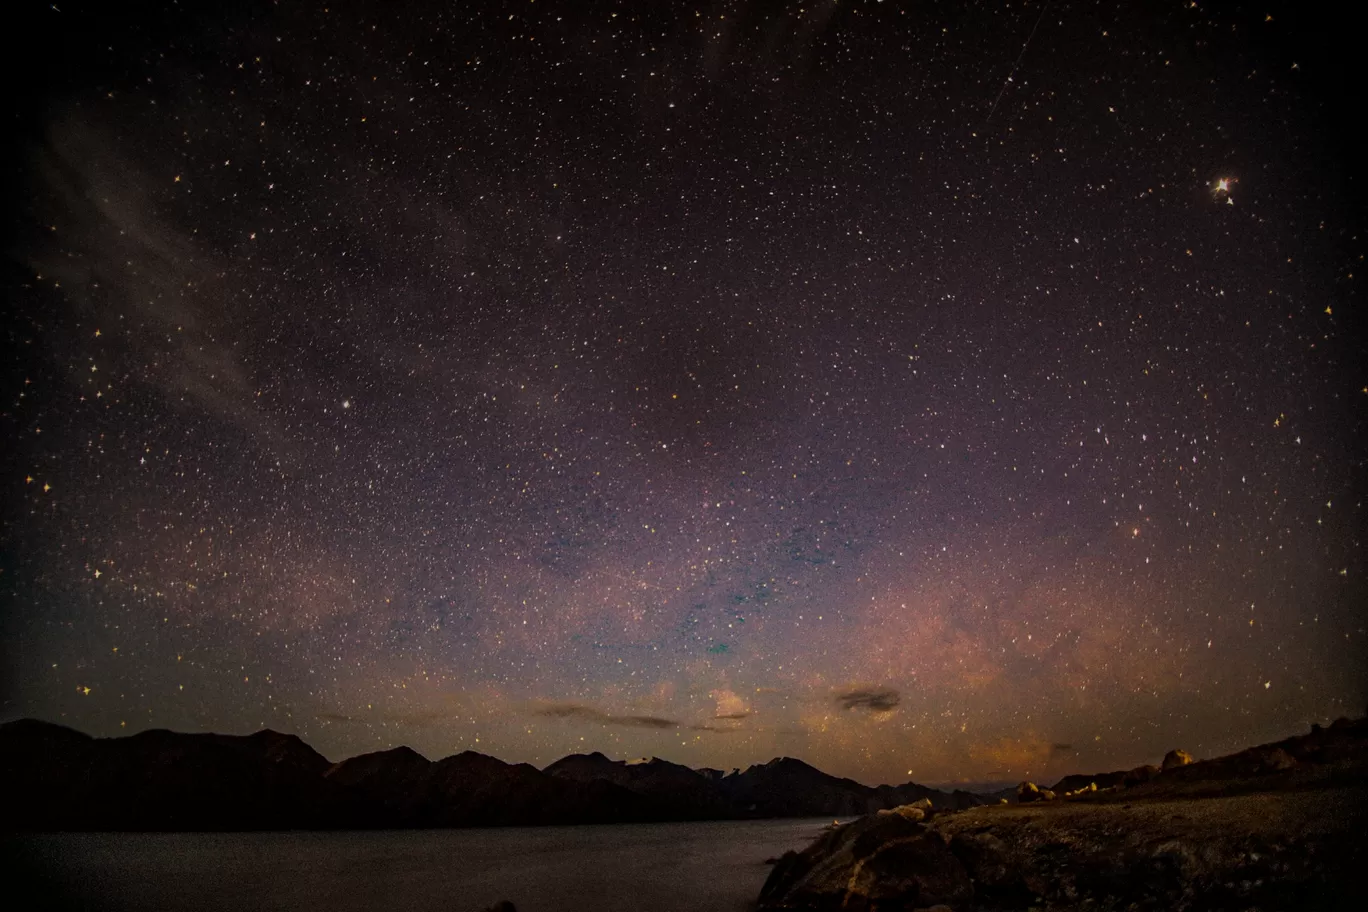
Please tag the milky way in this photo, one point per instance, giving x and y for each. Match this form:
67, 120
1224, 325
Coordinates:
955, 392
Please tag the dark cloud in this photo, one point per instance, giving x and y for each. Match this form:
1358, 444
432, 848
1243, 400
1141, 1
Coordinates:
590, 714
740, 714
868, 697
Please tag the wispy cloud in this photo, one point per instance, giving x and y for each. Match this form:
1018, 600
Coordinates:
869, 697
729, 706
590, 714
189, 331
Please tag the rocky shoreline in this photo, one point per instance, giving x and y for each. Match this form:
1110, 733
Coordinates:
1279, 826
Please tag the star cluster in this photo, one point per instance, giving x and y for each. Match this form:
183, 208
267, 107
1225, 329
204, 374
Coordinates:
945, 391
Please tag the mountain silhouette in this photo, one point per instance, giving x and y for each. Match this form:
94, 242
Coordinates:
56, 778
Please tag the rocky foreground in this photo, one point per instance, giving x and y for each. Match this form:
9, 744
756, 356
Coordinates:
1279, 826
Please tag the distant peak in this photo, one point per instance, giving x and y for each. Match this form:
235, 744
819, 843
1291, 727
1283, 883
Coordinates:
270, 734
471, 756
792, 762
34, 726
404, 750
596, 758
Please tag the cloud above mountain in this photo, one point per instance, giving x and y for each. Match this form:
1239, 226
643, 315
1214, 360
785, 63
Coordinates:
868, 697
590, 714
729, 705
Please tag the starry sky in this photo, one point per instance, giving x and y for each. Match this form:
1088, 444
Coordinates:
946, 391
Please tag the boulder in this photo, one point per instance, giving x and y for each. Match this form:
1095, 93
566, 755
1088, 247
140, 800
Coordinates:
909, 811
1088, 789
1141, 774
1176, 758
1276, 760
1028, 792
1047, 795
883, 861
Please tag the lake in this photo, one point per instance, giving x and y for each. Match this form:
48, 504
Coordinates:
689, 867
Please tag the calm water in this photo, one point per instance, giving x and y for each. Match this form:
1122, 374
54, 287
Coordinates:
689, 867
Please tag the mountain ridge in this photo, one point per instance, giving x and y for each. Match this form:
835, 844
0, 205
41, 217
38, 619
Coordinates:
53, 777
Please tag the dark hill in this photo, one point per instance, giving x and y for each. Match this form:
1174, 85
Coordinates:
472, 789
159, 780
54, 778
674, 791
381, 768
389, 782
785, 787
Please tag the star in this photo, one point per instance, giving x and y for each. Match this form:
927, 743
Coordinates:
695, 374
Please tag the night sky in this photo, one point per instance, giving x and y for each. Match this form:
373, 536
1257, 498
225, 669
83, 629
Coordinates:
945, 391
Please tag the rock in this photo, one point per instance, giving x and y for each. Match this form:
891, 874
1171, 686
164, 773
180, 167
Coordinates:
1047, 795
1277, 826
883, 860
1274, 846
1140, 774
1276, 760
1175, 758
1088, 789
909, 811
994, 868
